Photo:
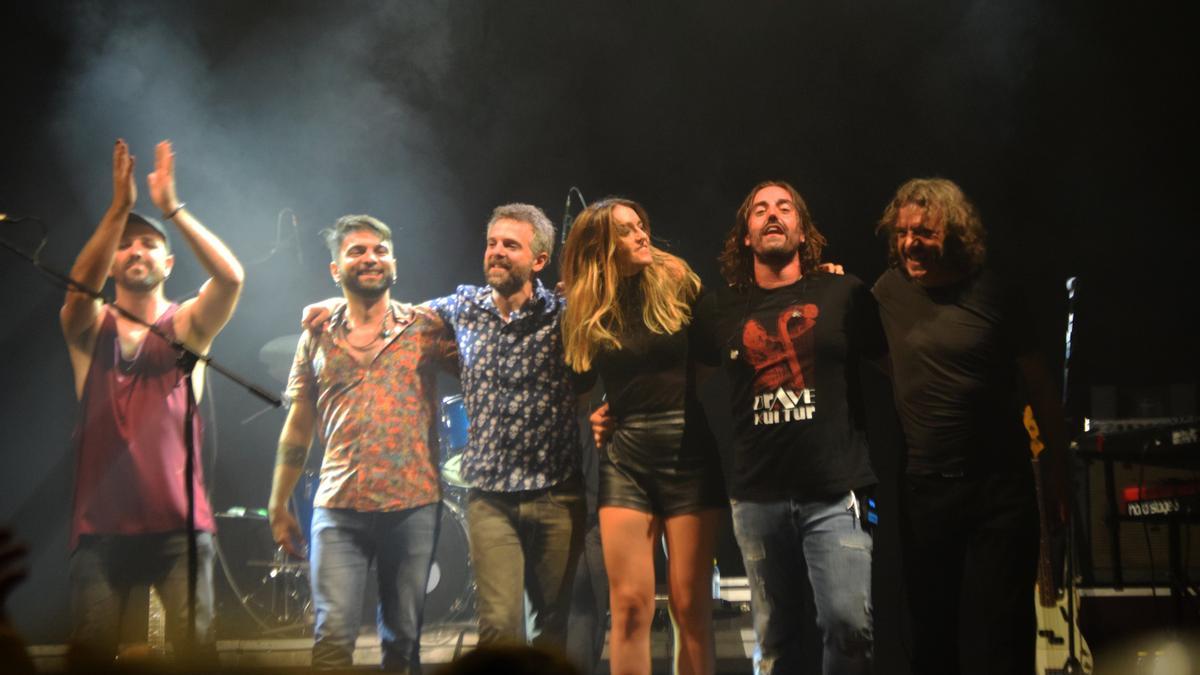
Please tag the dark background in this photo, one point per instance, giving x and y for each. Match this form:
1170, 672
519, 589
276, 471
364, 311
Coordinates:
1067, 123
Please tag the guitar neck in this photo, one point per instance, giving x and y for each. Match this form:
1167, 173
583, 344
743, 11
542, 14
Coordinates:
1047, 592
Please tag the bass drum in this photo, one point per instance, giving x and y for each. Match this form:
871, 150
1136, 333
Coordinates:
450, 593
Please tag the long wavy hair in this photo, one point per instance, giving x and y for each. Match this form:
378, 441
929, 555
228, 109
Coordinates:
599, 305
965, 246
737, 260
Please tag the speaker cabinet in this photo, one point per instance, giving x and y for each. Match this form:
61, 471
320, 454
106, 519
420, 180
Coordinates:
1144, 551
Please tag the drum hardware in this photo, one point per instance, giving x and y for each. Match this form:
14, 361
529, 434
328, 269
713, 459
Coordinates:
277, 599
289, 599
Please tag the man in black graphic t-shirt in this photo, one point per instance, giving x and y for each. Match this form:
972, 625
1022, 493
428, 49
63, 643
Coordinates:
791, 339
961, 352
799, 431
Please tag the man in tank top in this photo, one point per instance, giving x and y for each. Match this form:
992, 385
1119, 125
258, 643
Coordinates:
129, 518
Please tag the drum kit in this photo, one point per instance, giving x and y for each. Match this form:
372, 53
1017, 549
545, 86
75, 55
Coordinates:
274, 589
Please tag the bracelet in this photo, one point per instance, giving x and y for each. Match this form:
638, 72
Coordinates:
175, 211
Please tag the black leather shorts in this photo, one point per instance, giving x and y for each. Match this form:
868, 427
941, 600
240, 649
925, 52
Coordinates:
651, 466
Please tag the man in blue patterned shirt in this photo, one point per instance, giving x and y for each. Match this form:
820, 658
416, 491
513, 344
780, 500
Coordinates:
525, 511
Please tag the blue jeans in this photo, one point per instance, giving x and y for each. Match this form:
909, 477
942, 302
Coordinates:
104, 569
777, 538
344, 543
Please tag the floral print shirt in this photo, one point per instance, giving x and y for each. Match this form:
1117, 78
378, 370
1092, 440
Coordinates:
518, 391
377, 421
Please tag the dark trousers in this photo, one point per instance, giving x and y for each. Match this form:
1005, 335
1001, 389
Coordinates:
970, 547
105, 569
525, 542
588, 621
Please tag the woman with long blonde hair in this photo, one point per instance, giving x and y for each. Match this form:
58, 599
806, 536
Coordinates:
630, 309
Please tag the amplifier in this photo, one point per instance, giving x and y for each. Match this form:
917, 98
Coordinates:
1174, 498
1142, 531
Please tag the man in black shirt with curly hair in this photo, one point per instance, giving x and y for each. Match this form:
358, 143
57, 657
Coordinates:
964, 364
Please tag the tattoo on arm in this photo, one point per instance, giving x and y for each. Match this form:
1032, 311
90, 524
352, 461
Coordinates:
291, 455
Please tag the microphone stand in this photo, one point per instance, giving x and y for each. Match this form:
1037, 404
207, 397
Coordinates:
187, 360
1072, 665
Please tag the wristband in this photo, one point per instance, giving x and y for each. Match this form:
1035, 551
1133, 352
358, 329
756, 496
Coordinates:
174, 212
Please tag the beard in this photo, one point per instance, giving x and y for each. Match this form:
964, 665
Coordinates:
504, 277
776, 254
367, 289
777, 251
925, 260
140, 284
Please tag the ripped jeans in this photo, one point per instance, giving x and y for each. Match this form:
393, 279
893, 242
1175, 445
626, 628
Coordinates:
777, 539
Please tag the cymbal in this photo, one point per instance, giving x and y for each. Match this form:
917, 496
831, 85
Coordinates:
278, 354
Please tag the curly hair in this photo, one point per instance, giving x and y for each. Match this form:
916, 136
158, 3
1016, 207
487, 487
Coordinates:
598, 310
965, 245
737, 260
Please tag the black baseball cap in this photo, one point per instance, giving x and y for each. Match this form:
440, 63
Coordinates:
152, 223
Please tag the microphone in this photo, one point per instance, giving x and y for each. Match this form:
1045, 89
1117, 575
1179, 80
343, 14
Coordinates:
567, 219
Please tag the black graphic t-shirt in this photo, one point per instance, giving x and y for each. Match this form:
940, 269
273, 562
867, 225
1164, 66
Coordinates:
954, 364
792, 355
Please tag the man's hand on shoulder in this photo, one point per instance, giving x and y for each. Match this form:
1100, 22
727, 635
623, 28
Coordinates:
315, 317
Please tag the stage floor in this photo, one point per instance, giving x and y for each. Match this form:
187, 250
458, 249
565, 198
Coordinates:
439, 644
442, 642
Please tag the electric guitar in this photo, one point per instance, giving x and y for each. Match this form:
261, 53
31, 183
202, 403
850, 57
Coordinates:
1053, 625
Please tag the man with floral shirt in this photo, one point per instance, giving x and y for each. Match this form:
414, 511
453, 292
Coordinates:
525, 513
370, 381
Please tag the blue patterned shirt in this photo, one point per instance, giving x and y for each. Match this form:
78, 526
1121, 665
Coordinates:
518, 390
